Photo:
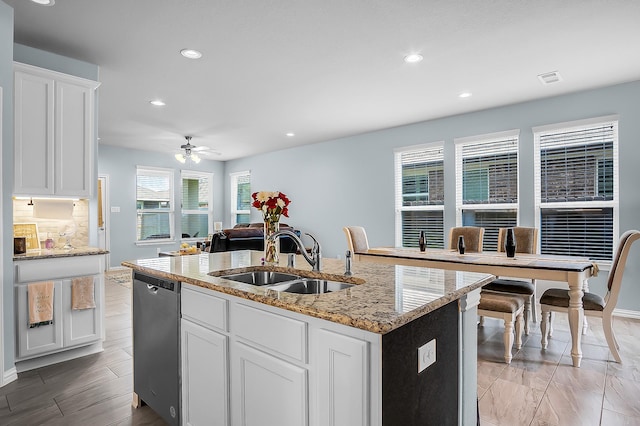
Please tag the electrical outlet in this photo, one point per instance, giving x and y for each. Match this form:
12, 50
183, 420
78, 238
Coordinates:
426, 355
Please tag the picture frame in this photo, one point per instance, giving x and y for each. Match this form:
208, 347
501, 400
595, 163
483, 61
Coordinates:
30, 232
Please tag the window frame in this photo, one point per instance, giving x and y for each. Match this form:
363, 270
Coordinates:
190, 174
170, 174
507, 136
233, 178
399, 183
578, 125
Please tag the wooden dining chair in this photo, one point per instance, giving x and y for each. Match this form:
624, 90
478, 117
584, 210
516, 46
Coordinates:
557, 299
509, 308
357, 240
473, 237
526, 242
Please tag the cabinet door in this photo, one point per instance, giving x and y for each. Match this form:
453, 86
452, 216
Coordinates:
267, 390
342, 369
73, 139
34, 134
43, 339
81, 326
204, 376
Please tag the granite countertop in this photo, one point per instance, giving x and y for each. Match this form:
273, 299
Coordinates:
385, 297
56, 252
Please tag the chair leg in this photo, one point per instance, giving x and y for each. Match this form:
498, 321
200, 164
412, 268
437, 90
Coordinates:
611, 338
508, 338
546, 319
481, 321
527, 314
551, 315
518, 330
534, 309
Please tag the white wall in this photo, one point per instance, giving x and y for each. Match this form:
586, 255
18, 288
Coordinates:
349, 181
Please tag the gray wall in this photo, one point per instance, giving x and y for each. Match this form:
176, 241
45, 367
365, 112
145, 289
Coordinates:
6, 264
120, 165
350, 181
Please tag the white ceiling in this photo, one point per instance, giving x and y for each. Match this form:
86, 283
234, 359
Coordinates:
323, 69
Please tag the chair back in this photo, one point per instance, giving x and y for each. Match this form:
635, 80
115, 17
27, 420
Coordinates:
473, 236
617, 267
357, 240
526, 239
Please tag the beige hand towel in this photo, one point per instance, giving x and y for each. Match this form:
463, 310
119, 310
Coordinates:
40, 297
82, 293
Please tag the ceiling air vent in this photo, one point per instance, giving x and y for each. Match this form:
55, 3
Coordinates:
550, 77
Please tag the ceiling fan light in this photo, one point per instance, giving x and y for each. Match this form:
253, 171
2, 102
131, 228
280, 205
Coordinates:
195, 158
181, 158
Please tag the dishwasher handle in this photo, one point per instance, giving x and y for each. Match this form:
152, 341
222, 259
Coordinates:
152, 289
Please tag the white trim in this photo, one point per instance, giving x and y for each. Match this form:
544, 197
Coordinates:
419, 147
172, 201
625, 313
488, 137
189, 174
587, 122
233, 196
9, 376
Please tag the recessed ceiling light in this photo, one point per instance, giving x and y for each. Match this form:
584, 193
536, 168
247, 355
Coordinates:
45, 2
191, 53
465, 95
413, 58
291, 134
157, 102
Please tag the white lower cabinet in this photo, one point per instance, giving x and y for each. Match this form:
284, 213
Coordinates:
204, 376
286, 369
343, 385
71, 328
267, 390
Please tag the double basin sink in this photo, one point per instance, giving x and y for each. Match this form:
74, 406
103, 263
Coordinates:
289, 283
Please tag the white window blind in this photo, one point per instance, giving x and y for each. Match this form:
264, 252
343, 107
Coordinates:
487, 183
240, 197
154, 204
419, 183
197, 204
577, 188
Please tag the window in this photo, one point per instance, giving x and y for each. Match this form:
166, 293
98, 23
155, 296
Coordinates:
419, 182
240, 197
576, 167
197, 204
487, 183
154, 204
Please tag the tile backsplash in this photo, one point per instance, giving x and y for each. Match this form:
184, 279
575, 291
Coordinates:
23, 213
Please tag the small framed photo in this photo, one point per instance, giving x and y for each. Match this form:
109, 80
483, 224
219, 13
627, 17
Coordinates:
30, 232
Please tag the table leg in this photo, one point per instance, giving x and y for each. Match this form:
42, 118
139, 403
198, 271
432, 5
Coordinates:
576, 316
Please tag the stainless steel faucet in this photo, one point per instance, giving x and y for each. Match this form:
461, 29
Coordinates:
315, 259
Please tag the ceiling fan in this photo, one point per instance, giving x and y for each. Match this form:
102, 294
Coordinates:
190, 152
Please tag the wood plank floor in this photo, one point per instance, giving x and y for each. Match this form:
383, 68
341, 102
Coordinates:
538, 388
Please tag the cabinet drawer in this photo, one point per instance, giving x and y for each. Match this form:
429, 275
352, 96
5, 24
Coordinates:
280, 334
57, 268
207, 310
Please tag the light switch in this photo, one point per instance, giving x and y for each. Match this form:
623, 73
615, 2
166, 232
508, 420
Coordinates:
115, 209
426, 355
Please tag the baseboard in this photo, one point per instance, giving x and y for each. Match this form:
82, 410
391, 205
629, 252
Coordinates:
625, 313
66, 355
9, 376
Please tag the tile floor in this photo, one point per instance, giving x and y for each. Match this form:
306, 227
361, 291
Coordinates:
538, 388
543, 388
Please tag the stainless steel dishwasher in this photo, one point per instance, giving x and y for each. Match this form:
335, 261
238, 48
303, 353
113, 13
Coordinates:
156, 345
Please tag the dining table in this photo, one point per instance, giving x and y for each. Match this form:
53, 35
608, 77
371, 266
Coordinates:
572, 270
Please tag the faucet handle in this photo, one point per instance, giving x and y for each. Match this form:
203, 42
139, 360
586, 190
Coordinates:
291, 261
347, 263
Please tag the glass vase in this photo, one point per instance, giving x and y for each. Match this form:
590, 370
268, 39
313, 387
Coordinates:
271, 246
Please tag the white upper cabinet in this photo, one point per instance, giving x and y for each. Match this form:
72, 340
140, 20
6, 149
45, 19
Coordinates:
54, 133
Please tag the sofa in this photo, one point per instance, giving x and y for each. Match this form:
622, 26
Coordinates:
249, 236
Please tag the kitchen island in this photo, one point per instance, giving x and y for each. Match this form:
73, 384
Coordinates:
398, 347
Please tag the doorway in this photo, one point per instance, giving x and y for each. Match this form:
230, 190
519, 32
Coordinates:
103, 217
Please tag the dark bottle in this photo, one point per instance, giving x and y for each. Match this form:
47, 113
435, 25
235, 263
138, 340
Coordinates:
461, 245
510, 243
422, 241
